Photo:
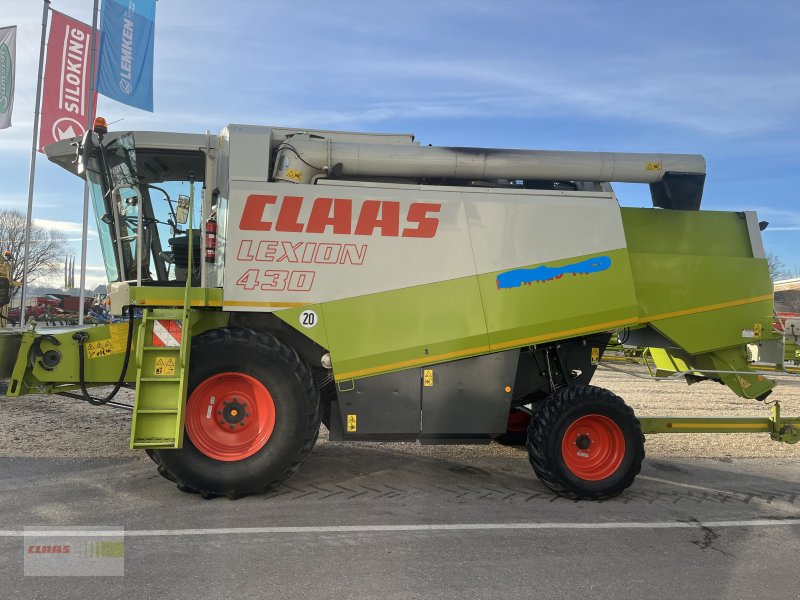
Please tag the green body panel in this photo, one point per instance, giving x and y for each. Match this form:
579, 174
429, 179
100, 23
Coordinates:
698, 285
720, 328
174, 296
669, 284
690, 233
317, 333
464, 317
695, 278
404, 328
559, 308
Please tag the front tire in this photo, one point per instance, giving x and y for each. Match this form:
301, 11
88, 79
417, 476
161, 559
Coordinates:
585, 442
252, 416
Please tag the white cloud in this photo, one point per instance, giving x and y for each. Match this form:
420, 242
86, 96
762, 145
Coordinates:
66, 227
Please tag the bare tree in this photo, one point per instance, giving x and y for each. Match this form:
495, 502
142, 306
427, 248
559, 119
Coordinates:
46, 251
777, 269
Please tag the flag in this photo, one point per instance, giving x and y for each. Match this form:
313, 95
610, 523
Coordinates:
8, 52
125, 70
65, 103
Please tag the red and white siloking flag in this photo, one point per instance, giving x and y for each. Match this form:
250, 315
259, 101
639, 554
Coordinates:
65, 103
8, 51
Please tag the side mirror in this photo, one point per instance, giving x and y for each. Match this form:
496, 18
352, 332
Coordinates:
182, 210
84, 151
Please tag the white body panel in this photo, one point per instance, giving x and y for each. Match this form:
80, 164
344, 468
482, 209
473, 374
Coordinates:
268, 269
340, 265
540, 226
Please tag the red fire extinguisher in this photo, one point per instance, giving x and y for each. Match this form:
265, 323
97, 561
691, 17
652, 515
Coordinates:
211, 239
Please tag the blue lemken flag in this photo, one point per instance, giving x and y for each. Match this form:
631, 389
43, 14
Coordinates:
125, 66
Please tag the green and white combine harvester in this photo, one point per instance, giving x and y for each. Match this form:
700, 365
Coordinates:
394, 291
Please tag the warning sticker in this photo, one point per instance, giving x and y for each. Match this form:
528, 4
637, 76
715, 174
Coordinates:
100, 348
165, 365
595, 355
351, 423
119, 336
116, 344
427, 377
653, 166
294, 175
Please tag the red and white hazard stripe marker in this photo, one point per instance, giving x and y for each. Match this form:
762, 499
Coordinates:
167, 333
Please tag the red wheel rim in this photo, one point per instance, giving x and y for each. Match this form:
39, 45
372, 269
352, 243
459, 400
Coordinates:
230, 416
518, 421
593, 447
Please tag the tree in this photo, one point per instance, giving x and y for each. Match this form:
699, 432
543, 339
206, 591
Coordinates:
46, 250
777, 269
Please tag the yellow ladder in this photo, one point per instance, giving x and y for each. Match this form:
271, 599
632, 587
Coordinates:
162, 367
162, 359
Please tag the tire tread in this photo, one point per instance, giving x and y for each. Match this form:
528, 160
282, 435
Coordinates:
263, 344
546, 417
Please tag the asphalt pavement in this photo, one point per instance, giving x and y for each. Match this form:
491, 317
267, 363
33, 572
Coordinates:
369, 522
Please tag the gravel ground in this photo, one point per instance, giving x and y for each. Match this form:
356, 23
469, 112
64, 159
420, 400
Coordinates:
53, 426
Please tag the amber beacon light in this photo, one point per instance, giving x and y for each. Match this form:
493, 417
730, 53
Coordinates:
100, 126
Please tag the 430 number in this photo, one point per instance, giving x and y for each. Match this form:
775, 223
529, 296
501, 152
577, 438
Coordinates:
276, 281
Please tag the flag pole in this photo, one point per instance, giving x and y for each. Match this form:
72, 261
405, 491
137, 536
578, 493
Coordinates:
89, 125
45, 9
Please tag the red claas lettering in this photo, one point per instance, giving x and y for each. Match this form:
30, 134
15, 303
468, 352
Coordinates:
336, 216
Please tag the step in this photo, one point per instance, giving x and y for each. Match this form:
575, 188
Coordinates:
170, 314
157, 411
161, 379
152, 443
163, 348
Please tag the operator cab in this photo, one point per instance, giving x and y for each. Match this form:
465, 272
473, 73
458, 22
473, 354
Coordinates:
140, 187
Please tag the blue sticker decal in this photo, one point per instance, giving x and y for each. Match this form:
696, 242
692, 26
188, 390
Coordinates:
520, 277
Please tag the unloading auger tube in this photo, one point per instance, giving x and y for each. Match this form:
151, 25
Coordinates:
303, 157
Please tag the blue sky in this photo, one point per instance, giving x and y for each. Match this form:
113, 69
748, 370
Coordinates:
717, 78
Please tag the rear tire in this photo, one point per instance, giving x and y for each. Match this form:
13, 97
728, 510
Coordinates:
516, 430
585, 442
253, 411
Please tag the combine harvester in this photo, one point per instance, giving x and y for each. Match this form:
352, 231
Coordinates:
398, 292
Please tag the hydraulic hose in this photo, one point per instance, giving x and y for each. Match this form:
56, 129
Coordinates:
82, 337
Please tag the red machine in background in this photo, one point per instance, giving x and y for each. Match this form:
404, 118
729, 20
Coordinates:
52, 307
